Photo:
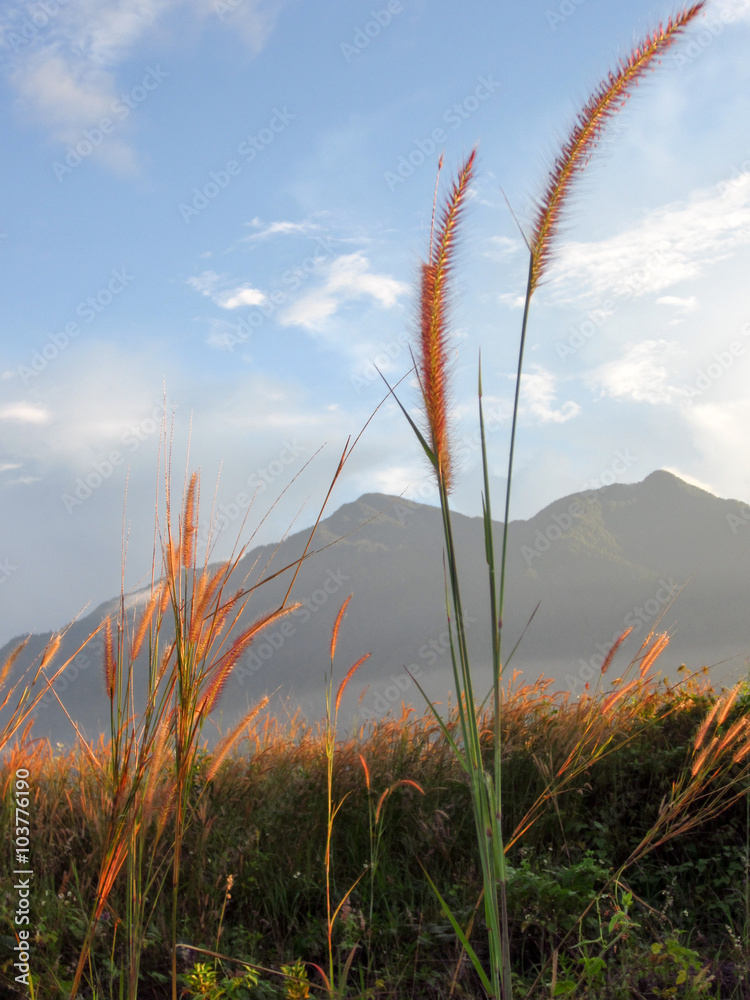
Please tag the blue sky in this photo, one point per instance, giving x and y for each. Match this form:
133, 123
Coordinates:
227, 200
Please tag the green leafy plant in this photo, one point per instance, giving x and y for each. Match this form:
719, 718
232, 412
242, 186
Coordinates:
204, 982
297, 985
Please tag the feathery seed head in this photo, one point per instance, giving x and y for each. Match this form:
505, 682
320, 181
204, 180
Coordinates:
335, 634
11, 660
51, 650
190, 523
605, 102
109, 661
435, 275
610, 655
351, 672
145, 622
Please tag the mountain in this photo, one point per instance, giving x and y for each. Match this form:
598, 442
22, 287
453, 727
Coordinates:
656, 554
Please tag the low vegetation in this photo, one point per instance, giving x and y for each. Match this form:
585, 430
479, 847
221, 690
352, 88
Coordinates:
256, 880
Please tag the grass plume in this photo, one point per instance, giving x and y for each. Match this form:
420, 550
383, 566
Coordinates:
434, 304
605, 102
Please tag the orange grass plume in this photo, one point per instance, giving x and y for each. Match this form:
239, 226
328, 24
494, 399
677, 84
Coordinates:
605, 102
433, 369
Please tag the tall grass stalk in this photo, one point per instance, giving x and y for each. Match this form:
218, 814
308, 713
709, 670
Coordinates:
329, 742
434, 376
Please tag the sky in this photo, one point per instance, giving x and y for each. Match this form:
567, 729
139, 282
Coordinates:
216, 209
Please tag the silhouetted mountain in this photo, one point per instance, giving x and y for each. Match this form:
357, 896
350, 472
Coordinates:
656, 554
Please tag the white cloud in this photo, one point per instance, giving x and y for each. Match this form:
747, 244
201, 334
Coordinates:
24, 480
737, 10
280, 229
208, 283
24, 413
641, 375
348, 277
676, 243
718, 433
247, 296
502, 247
7, 466
684, 305
538, 391
66, 75
512, 300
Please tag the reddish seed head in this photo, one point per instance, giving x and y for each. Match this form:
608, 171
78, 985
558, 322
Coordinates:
604, 103
435, 276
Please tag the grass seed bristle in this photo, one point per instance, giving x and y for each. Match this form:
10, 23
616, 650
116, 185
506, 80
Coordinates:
352, 671
433, 320
190, 522
8, 665
339, 618
109, 661
606, 101
610, 655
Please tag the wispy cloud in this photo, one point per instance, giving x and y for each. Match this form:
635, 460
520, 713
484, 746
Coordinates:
676, 243
25, 413
641, 375
67, 74
738, 10
282, 228
539, 389
347, 278
502, 247
213, 286
244, 296
684, 305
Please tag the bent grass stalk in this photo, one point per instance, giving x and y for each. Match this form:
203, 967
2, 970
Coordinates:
333, 988
433, 374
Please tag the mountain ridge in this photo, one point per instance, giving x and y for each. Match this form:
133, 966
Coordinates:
657, 553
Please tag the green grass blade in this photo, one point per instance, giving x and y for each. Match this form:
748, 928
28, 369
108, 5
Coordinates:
460, 934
